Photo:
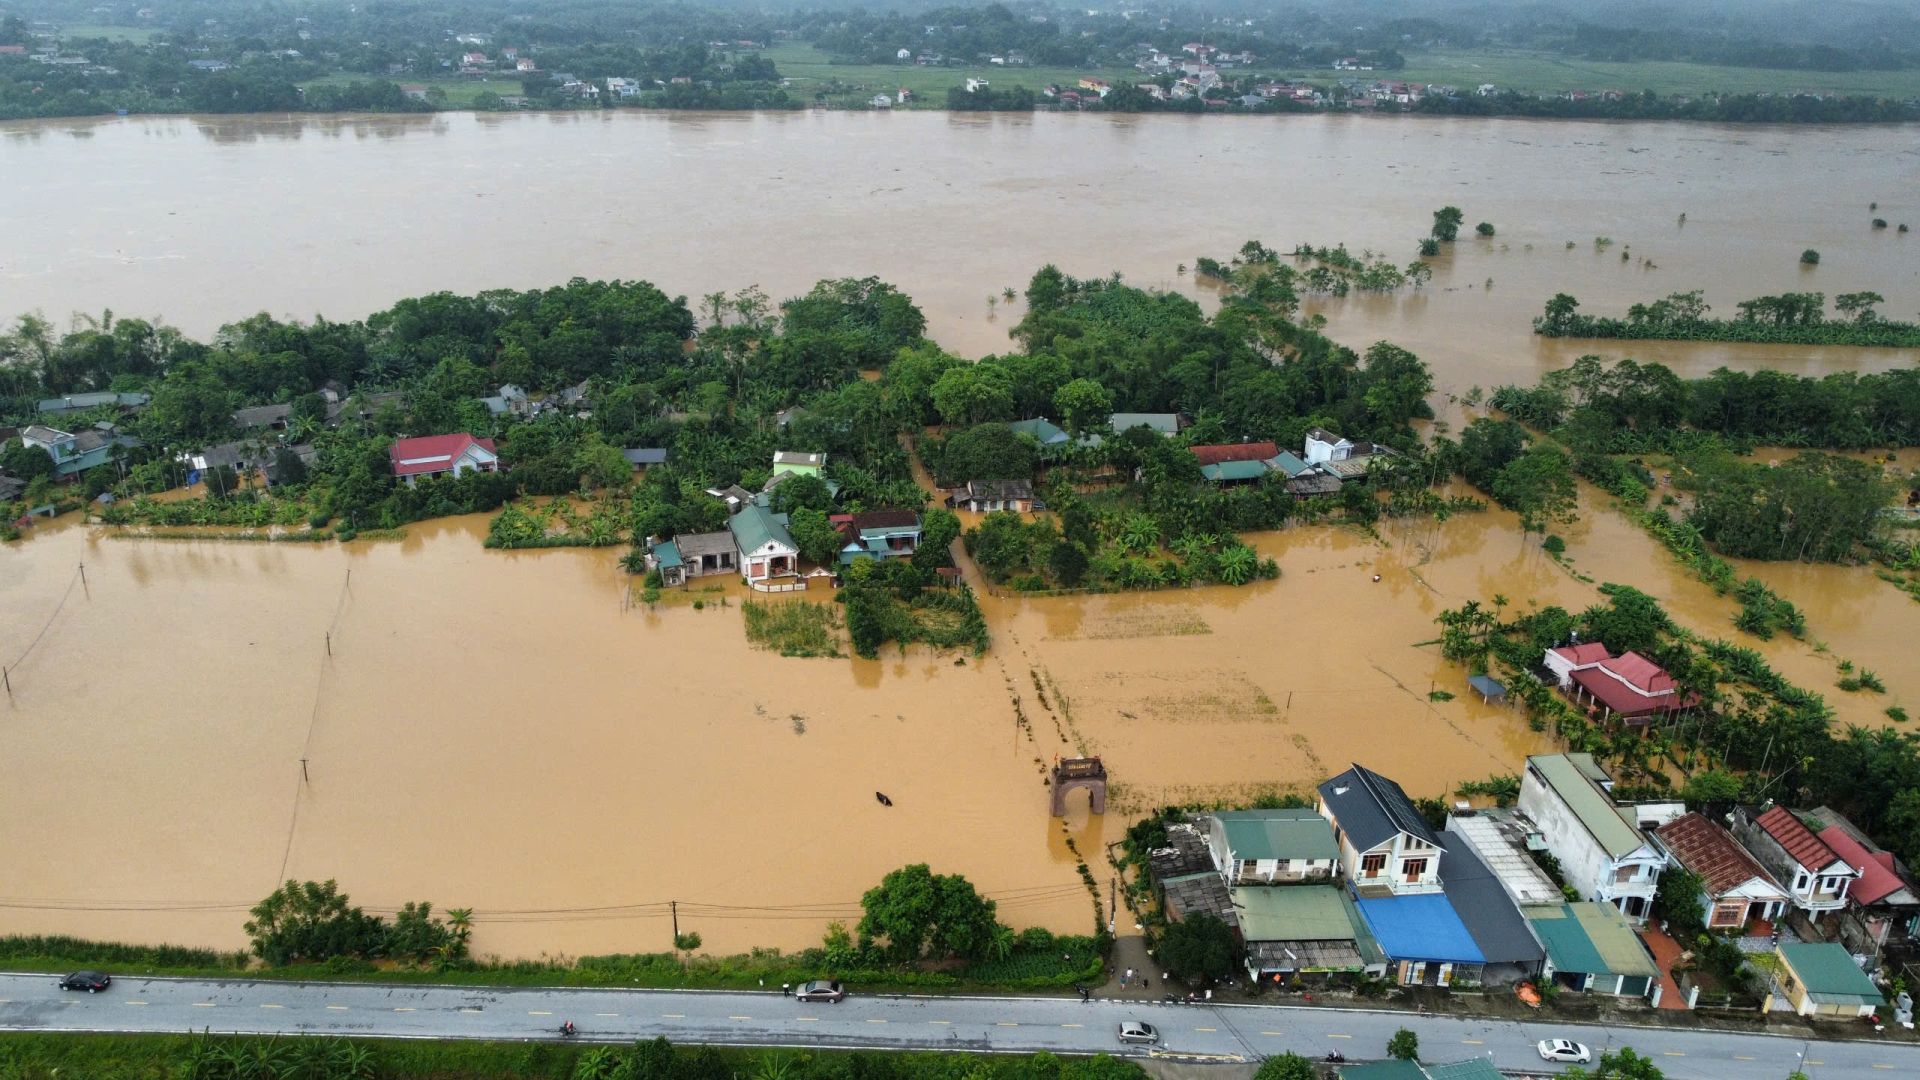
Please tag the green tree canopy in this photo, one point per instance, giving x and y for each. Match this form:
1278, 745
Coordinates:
917, 912
1200, 947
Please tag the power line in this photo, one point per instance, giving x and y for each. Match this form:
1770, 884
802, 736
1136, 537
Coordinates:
48, 625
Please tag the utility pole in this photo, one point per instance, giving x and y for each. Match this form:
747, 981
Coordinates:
303, 772
83, 575
8, 679
673, 906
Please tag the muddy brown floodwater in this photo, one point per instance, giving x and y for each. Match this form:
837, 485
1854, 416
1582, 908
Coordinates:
505, 731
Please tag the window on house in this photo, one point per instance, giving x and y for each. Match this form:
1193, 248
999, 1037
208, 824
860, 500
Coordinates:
1285, 865
1414, 868
1371, 865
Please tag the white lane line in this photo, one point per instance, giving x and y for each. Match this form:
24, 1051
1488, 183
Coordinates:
941, 1023
204, 1005
739, 1017
539, 1012
476, 1011
336, 1008
1072, 1025
673, 1016
134, 1003
1474, 1042
1339, 1036
1007, 1023
606, 1014
875, 1020
808, 1019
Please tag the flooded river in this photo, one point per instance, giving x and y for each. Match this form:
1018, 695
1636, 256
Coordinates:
204, 220
195, 721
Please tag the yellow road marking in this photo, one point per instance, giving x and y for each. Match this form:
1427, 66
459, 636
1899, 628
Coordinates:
606, 1014
1007, 1023
1339, 1036
539, 1012
1741, 1057
402, 1008
1811, 1061
203, 1004
673, 1016
1072, 1025
941, 1023
273, 1006
343, 1008
1206, 1029
808, 1019
875, 1020
1880, 1066
1273, 1033
1674, 1053
6, 1001
1473, 1042
739, 1017
135, 1003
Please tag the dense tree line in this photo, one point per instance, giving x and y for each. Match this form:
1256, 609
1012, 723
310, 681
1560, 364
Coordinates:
1790, 318
1647, 105
1630, 407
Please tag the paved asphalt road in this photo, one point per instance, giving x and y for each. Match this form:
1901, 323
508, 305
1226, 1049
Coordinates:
1197, 1032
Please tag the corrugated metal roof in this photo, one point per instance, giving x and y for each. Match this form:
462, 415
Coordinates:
1589, 804
1484, 907
1278, 834
1829, 974
1420, 928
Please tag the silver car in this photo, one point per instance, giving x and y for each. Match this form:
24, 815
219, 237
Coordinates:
1137, 1031
1564, 1050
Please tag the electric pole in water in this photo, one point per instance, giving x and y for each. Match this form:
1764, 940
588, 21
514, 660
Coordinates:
673, 906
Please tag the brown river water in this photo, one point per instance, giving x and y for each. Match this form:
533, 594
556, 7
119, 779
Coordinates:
506, 731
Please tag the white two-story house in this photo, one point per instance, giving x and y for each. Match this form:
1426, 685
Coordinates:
1386, 847
1814, 876
1602, 853
1272, 847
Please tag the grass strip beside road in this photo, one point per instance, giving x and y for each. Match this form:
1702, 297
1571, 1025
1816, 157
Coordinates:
764, 970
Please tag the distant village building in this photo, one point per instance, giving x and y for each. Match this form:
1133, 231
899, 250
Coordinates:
442, 455
1602, 856
987, 496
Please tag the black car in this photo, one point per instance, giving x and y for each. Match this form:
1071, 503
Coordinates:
91, 981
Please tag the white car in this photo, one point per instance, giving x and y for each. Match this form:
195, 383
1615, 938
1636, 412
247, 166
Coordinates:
1564, 1050
1135, 1031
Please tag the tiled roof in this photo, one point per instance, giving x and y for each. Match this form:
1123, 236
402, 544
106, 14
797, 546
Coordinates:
1711, 852
1253, 451
886, 519
1802, 846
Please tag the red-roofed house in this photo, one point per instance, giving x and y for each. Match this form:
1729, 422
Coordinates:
1252, 451
437, 455
1883, 907
1735, 889
1631, 687
1817, 877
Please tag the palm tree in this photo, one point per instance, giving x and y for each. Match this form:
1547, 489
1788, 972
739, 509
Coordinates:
777, 1066
1000, 944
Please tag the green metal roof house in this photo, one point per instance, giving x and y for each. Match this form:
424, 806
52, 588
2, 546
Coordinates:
1591, 947
1303, 928
1820, 979
1264, 847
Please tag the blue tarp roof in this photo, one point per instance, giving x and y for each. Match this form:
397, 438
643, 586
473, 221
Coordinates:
1488, 686
1420, 928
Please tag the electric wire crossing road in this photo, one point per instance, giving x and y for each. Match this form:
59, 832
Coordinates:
1201, 1033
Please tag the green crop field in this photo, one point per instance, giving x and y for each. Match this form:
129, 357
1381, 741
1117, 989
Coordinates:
811, 70
1539, 73
138, 34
